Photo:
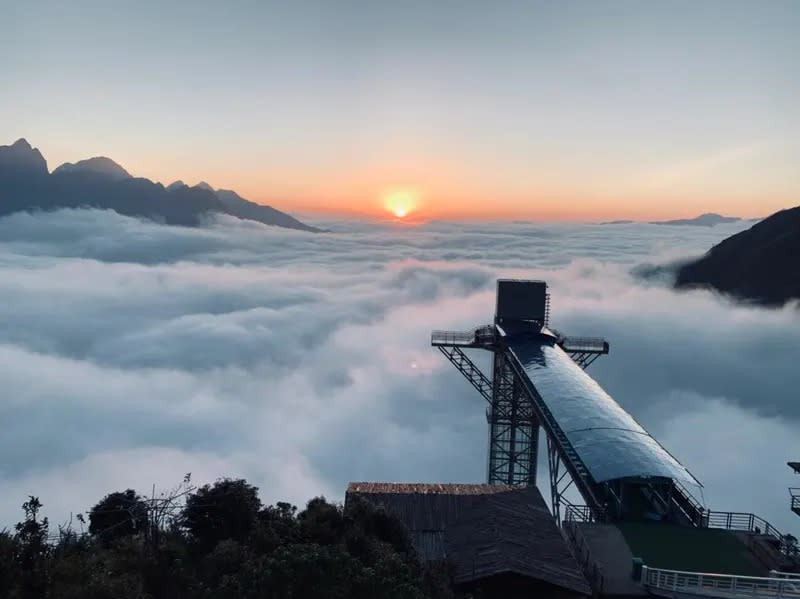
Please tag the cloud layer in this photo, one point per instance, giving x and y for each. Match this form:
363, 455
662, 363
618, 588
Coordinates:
131, 353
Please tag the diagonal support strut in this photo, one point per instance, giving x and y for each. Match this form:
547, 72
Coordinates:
468, 368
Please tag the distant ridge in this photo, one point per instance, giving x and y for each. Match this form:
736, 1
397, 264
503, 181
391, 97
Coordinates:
99, 165
99, 182
709, 219
759, 264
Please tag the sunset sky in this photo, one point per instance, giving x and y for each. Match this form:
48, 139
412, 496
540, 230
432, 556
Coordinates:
542, 110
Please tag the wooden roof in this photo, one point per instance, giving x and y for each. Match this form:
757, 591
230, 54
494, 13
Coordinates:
428, 488
512, 532
484, 530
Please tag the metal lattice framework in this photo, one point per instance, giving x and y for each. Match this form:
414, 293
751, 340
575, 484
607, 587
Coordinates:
589, 438
514, 420
513, 429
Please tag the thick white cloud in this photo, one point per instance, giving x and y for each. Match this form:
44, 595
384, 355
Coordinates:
131, 353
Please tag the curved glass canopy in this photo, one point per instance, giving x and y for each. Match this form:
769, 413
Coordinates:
608, 440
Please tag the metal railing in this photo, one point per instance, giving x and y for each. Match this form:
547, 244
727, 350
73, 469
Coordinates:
582, 513
794, 493
591, 569
786, 544
587, 344
452, 337
483, 334
741, 521
790, 575
694, 510
719, 585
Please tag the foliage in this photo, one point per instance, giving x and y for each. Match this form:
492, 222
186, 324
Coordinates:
117, 515
216, 542
228, 509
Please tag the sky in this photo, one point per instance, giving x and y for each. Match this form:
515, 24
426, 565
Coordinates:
132, 353
544, 110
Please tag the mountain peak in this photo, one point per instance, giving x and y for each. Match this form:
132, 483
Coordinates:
758, 264
176, 185
99, 165
99, 182
22, 157
707, 219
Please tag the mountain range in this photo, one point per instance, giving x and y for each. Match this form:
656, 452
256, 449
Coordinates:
709, 219
26, 184
760, 264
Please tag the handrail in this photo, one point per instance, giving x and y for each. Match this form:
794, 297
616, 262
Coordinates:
482, 334
794, 493
697, 517
778, 574
452, 336
741, 521
747, 522
719, 585
590, 567
582, 513
589, 344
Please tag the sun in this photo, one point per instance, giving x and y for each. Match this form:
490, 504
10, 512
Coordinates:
400, 203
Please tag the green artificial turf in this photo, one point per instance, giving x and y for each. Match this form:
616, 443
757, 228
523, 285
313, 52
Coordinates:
690, 549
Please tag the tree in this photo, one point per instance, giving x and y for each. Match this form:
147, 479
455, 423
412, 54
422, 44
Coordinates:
228, 509
277, 526
118, 515
8, 573
32, 550
322, 522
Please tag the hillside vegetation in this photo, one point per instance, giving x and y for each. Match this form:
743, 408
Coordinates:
214, 542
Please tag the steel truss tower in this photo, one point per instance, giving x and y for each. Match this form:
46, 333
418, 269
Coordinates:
513, 420
593, 445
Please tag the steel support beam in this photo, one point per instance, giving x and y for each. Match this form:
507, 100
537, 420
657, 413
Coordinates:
468, 368
513, 429
584, 359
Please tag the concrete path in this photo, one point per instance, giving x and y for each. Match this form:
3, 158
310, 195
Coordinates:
612, 554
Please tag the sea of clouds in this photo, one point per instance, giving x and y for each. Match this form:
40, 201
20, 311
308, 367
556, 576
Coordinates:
132, 353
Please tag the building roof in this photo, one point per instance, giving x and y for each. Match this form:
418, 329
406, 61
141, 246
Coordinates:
427, 488
483, 530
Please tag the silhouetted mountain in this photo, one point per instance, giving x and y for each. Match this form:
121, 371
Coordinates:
709, 219
99, 165
22, 158
26, 184
759, 264
238, 206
